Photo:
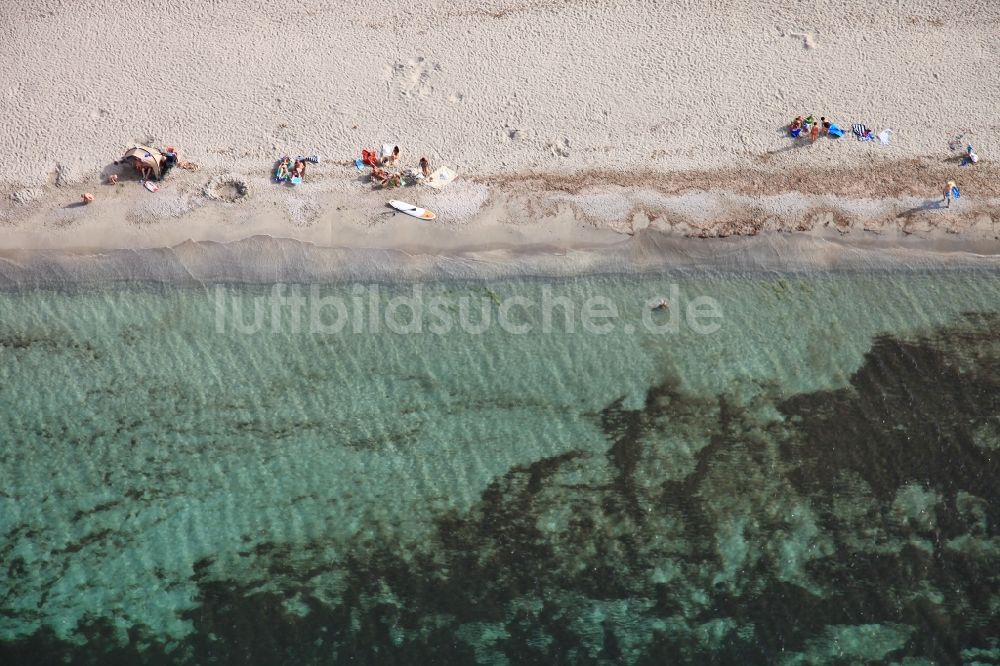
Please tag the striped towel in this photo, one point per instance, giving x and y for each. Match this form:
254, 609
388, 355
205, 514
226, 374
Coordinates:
862, 132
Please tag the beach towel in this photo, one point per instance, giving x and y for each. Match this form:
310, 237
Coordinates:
835, 131
860, 131
795, 132
369, 157
311, 158
386, 151
955, 193
360, 164
441, 177
884, 136
278, 177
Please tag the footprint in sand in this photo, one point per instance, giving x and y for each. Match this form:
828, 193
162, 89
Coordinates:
98, 114
808, 40
413, 78
559, 148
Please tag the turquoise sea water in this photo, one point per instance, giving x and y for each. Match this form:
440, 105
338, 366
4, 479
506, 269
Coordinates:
813, 482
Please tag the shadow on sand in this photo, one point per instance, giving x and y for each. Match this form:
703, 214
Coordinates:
119, 168
929, 204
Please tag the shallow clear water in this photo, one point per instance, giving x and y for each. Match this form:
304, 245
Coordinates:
813, 481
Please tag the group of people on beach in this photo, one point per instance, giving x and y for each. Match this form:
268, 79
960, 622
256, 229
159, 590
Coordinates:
951, 190
383, 165
799, 124
808, 126
165, 160
289, 171
811, 128
293, 171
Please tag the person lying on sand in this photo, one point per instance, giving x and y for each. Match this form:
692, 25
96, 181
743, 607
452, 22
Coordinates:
283, 173
380, 176
144, 171
299, 170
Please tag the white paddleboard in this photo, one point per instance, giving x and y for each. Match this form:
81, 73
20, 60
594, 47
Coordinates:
410, 209
150, 185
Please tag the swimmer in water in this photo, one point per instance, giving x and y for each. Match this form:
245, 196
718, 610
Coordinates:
662, 305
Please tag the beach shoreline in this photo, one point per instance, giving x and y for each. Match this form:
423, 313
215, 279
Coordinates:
339, 202
270, 260
606, 223
673, 121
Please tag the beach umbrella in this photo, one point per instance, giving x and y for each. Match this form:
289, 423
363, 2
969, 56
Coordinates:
144, 156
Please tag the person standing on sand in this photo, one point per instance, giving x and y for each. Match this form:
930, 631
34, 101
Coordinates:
813, 133
948, 190
425, 167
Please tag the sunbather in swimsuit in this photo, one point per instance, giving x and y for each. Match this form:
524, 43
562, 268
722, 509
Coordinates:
283, 174
796, 127
380, 176
949, 190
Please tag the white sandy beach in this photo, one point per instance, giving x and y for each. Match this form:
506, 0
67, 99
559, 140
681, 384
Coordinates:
563, 119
